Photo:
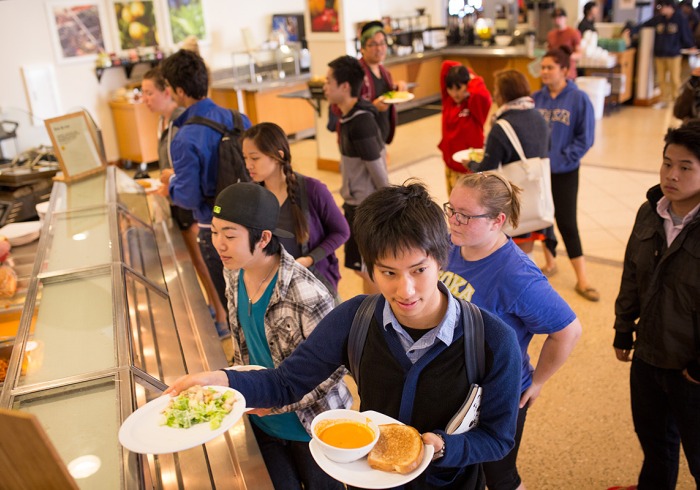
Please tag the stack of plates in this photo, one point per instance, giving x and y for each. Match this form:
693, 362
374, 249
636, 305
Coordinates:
21, 233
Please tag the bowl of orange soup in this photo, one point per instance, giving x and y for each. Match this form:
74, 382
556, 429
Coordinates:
344, 435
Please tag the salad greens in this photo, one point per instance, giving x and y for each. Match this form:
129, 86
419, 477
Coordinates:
196, 405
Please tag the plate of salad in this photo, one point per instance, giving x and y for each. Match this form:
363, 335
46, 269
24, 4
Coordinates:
170, 424
396, 97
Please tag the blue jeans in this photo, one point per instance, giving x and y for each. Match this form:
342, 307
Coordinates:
214, 264
290, 464
666, 414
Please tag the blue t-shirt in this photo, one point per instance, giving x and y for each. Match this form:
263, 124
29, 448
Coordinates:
286, 425
510, 286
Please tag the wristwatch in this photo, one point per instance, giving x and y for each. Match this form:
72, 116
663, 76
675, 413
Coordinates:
441, 452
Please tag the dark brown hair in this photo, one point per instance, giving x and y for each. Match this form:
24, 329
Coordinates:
270, 139
156, 76
560, 55
511, 85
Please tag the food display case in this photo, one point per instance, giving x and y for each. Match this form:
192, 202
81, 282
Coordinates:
121, 316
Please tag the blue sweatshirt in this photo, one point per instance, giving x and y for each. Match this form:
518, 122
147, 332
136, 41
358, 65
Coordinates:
670, 35
195, 155
319, 356
572, 123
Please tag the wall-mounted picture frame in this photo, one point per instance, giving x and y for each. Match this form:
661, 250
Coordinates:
75, 145
186, 18
324, 15
77, 28
135, 24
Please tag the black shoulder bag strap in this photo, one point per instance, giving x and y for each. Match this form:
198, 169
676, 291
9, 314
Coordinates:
219, 128
358, 334
474, 355
237, 121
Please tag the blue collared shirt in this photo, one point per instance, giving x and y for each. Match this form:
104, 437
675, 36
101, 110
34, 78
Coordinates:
444, 332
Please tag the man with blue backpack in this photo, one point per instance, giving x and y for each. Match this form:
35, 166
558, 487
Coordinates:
205, 154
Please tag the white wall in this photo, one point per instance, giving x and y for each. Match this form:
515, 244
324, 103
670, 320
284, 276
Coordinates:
25, 38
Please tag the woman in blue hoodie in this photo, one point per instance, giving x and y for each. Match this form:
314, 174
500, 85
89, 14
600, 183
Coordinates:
569, 113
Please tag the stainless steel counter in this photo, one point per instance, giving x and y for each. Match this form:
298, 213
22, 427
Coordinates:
121, 315
264, 86
471, 51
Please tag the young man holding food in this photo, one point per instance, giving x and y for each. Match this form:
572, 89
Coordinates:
362, 150
466, 103
414, 353
274, 304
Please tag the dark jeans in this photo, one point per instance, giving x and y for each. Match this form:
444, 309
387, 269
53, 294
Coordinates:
565, 195
666, 413
290, 464
214, 264
503, 474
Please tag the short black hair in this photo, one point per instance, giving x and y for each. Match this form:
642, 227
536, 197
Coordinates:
687, 136
348, 69
254, 236
666, 3
397, 219
457, 76
186, 70
588, 7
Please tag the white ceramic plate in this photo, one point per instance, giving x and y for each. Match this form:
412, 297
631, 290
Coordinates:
461, 156
142, 433
21, 233
155, 184
359, 474
409, 96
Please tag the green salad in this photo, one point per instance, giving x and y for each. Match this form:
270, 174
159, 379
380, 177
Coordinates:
197, 405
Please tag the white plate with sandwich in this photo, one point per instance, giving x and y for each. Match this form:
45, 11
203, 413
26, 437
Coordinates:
360, 474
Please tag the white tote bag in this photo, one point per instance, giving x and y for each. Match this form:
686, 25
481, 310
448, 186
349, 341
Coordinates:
532, 175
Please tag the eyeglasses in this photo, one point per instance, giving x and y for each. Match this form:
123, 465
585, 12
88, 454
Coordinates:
461, 218
375, 45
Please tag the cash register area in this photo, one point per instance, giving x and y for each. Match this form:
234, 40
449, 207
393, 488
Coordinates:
579, 433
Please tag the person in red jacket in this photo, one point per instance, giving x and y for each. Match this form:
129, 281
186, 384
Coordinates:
465, 105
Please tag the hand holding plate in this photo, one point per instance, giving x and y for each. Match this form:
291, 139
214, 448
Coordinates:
206, 378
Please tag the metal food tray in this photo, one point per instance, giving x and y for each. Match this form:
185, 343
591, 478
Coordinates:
19, 175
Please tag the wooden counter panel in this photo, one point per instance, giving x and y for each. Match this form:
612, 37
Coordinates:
487, 67
137, 131
424, 73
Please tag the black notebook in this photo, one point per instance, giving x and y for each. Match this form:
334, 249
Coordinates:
467, 417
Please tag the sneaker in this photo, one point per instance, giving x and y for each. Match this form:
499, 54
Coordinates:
223, 330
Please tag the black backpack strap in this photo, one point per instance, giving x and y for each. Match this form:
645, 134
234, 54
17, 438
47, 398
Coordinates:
358, 334
203, 121
237, 121
474, 355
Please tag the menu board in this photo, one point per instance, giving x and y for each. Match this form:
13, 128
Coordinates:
75, 145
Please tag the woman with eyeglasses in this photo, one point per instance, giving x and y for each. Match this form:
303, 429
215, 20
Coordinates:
486, 268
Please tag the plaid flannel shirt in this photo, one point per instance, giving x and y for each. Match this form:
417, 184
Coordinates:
298, 302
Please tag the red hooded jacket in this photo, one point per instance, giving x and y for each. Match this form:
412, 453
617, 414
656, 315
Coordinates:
463, 124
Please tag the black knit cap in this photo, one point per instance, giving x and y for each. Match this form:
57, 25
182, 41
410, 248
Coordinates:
250, 205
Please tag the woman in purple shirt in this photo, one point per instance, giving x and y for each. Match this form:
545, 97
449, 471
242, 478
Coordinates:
307, 208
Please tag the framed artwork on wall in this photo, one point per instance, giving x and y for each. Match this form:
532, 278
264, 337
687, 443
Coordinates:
135, 23
186, 18
324, 15
77, 29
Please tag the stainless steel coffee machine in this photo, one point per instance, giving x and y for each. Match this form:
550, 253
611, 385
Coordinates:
539, 17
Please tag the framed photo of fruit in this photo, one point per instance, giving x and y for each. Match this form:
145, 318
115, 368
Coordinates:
77, 29
324, 15
186, 19
135, 23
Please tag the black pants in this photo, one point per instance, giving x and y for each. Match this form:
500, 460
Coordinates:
565, 195
503, 474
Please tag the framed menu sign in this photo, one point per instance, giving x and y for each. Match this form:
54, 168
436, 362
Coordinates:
75, 145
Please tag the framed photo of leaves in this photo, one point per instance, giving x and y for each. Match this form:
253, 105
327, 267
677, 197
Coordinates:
136, 24
186, 19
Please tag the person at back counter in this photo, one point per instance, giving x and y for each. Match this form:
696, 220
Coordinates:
378, 80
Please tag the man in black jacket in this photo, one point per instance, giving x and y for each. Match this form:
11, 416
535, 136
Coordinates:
658, 301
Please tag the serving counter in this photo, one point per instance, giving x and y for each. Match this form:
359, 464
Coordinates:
121, 316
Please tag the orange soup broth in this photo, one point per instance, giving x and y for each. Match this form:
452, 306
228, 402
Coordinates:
346, 435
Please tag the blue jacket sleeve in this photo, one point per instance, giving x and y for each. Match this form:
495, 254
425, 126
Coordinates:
583, 132
494, 436
188, 160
